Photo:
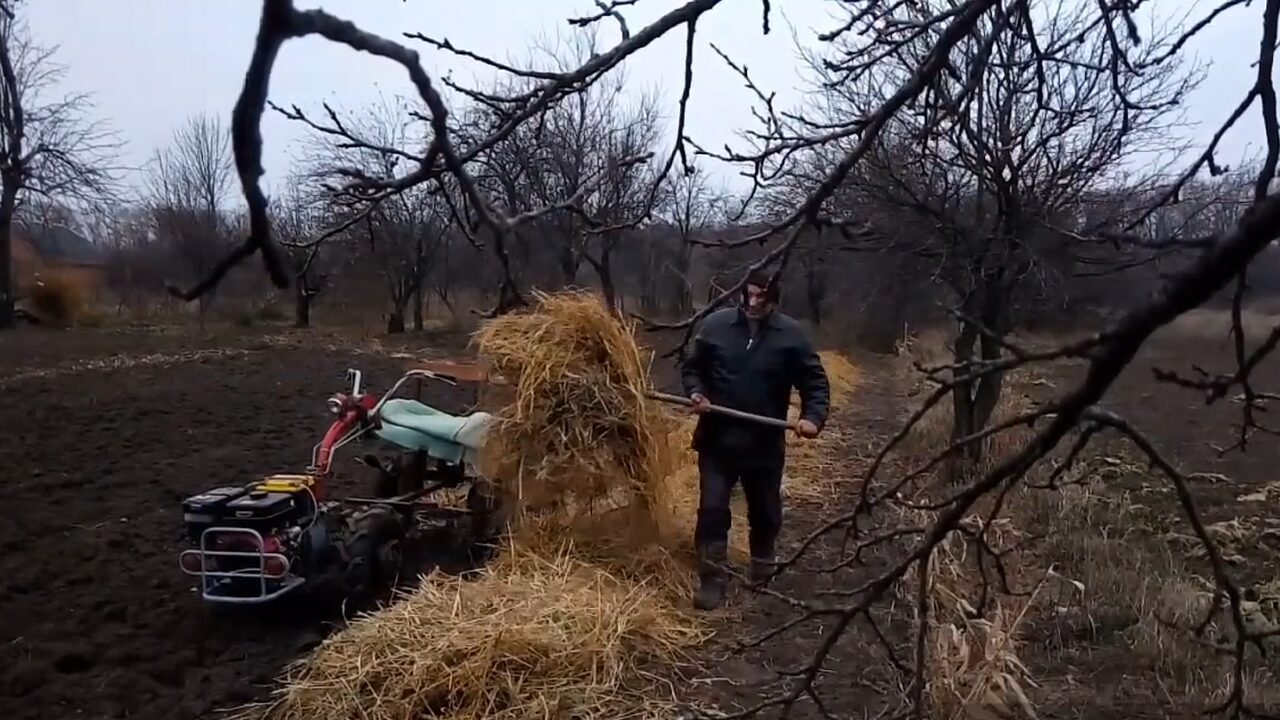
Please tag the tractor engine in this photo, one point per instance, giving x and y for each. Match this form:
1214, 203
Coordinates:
253, 542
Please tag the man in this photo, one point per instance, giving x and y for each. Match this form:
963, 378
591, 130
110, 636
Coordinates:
747, 358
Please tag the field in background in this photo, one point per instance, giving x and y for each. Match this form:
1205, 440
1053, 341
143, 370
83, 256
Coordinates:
1110, 573
99, 622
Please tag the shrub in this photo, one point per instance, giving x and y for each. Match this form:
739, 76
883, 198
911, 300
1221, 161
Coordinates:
57, 300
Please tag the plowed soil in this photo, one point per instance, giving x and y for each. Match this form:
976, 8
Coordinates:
104, 434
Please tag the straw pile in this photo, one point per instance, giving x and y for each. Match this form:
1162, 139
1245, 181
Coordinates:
812, 474
533, 637
581, 437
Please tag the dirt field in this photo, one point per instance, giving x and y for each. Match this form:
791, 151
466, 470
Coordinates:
98, 452
97, 619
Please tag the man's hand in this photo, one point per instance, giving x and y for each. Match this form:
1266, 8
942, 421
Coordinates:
700, 403
806, 429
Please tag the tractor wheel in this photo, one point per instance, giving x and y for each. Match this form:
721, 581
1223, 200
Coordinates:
374, 555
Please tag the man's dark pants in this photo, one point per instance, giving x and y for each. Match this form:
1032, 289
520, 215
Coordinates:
762, 485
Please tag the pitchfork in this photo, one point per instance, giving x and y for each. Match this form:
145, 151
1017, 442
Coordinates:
721, 410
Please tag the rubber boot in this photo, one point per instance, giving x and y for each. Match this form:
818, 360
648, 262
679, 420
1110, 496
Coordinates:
761, 569
712, 580
762, 566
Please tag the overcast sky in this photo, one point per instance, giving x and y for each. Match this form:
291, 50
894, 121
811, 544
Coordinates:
152, 63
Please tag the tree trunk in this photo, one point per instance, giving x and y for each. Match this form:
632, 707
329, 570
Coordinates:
995, 318
962, 407
395, 319
442, 292
418, 271
976, 401
568, 261
8, 283
607, 284
395, 322
815, 293
647, 284
302, 308
683, 288
648, 298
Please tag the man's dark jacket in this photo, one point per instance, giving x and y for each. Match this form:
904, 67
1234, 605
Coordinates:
731, 370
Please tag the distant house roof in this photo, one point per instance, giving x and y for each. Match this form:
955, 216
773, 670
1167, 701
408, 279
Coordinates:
61, 245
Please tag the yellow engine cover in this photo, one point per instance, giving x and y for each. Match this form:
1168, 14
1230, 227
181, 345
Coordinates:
286, 483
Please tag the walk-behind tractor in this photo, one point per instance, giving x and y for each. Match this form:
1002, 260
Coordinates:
261, 541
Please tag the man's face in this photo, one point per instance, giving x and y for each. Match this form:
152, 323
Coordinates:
757, 304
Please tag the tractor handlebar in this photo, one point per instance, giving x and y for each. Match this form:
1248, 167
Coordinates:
357, 413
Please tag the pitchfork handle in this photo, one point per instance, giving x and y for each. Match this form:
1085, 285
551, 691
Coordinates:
680, 400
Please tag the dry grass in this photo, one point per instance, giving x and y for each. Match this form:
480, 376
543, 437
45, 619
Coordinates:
57, 299
1135, 598
535, 636
814, 473
1121, 595
973, 668
581, 437
975, 658
1141, 596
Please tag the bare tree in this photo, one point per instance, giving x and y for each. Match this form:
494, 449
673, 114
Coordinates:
190, 184
690, 206
404, 238
136, 265
50, 150
402, 232
583, 161
991, 167
299, 214
625, 193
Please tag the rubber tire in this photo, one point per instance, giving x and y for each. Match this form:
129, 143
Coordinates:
367, 576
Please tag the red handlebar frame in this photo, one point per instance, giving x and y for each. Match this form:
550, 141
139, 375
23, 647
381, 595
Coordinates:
353, 412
